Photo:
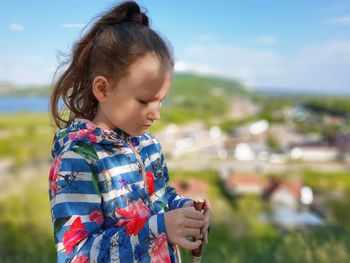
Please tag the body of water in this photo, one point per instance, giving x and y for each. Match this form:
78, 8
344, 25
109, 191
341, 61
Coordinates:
14, 104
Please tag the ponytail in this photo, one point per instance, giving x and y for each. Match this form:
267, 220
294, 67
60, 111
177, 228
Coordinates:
110, 46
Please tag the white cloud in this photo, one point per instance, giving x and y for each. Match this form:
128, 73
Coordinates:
79, 26
323, 66
267, 40
16, 27
345, 20
248, 65
180, 66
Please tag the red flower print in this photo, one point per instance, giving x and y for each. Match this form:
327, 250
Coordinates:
81, 259
84, 133
54, 170
58, 188
159, 252
97, 217
150, 182
77, 135
136, 214
74, 235
92, 138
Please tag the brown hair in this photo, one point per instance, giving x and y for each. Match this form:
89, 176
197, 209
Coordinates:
113, 43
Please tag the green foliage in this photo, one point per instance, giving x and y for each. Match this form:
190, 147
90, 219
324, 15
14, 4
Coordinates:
340, 210
272, 143
326, 181
25, 137
331, 105
25, 227
229, 125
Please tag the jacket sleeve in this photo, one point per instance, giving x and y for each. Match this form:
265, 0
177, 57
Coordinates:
175, 200
81, 231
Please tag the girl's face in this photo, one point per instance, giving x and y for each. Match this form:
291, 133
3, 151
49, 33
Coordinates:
133, 104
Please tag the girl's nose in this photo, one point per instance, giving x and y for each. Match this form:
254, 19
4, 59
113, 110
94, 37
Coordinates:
154, 114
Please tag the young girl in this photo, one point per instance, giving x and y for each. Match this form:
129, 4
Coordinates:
110, 201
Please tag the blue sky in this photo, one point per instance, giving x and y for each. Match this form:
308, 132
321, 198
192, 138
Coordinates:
303, 44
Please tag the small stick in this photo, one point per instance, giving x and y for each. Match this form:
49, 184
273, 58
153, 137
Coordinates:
197, 253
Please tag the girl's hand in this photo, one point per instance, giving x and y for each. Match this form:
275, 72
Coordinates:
207, 215
184, 222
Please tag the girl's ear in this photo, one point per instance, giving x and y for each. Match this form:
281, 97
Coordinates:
100, 88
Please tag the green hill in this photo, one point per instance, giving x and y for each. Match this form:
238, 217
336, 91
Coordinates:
185, 85
32, 91
190, 85
199, 97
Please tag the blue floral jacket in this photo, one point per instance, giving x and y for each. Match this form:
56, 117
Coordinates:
108, 194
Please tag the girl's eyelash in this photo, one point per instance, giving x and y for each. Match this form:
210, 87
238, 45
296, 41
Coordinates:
143, 102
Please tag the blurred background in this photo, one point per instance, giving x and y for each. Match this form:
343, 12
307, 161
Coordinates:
258, 121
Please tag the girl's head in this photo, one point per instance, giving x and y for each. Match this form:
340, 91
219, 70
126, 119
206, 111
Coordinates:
119, 62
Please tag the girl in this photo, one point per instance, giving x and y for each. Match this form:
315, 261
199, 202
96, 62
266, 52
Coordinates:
110, 201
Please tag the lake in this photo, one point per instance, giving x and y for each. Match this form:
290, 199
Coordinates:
14, 104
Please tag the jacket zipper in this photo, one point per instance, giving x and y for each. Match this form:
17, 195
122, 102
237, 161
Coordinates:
143, 169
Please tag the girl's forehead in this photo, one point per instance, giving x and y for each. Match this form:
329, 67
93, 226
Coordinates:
150, 75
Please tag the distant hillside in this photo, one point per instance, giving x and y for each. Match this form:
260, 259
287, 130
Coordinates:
185, 85
199, 97
33, 91
190, 84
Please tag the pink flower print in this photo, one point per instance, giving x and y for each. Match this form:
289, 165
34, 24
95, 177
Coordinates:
83, 133
159, 252
91, 127
74, 235
77, 135
81, 259
97, 217
53, 175
136, 214
92, 138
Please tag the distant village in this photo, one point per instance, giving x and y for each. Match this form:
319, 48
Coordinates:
244, 154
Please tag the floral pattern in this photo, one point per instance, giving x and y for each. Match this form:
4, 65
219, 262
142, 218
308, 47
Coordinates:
97, 217
85, 133
136, 215
150, 182
81, 259
54, 170
159, 250
74, 235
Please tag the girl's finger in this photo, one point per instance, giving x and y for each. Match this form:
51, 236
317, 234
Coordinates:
191, 213
207, 204
205, 233
192, 232
193, 223
189, 245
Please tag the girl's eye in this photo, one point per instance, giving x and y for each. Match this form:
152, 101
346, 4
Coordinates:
143, 102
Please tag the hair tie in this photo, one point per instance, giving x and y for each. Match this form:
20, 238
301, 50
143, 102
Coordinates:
137, 18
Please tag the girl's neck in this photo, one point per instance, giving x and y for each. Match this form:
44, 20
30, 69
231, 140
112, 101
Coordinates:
102, 122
